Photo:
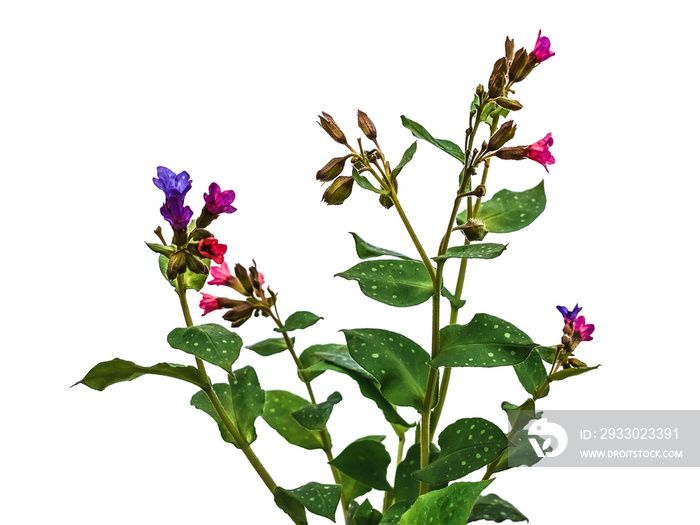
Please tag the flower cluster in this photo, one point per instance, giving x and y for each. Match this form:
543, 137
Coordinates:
575, 331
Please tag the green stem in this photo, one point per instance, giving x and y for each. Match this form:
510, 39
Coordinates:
407, 224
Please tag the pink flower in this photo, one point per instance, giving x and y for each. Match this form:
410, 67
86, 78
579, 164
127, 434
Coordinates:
217, 201
221, 275
582, 329
539, 151
211, 249
541, 51
209, 303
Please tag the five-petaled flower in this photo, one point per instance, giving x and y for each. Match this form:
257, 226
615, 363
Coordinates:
171, 183
209, 303
217, 201
539, 151
541, 51
211, 249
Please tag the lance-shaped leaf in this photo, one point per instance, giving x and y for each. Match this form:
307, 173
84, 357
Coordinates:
449, 506
299, 321
494, 508
486, 341
420, 132
509, 211
365, 460
315, 417
243, 401
519, 452
406, 487
366, 250
317, 498
271, 346
486, 250
211, 342
569, 372
193, 281
279, 407
118, 370
364, 183
399, 365
407, 156
396, 283
532, 373
465, 446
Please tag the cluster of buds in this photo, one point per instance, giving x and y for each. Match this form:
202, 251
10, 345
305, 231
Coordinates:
575, 331
341, 186
516, 66
191, 243
248, 283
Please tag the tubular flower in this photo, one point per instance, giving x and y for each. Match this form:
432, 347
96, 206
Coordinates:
211, 249
217, 201
539, 151
541, 51
209, 303
569, 316
171, 183
575, 328
175, 212
221, 275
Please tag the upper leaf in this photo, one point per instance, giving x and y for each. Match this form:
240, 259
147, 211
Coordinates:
486, 250
365, 460
445, 145
532, 373
407, 156
118, 370
449, 506
494, 508
366, 250
269, 347
211, 342
315, 417
316, 497
299, 321
279, 407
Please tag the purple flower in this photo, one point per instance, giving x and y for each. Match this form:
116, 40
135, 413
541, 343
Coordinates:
569, 316
575, 326
171, 183
541, 51
175, 212
217, 201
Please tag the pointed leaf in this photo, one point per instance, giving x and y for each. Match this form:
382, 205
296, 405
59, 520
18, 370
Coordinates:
492, 110
193, 281
299, 321
363, 182
532, 373
494, 508
313, 361
519, 452
315, 417
396, 283
211, 342
118, 370
364, 514
366, 250
317, 498
400, 365
465, 446
486, 250
509, 211
365, 460
449, 506
279, 407
269, 347
486, 341
569, 372
406, 487
454, 302
394, 513
445, 145
407, 156
291, 505
159, 248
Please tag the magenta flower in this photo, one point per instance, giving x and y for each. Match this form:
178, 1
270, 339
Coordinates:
209, 303
541, 51
539, 151
217, 201
575, 325
211, 249
175, 212
221, 275
583, 330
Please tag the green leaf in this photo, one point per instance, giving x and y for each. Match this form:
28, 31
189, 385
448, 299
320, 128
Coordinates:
364, 514
449, 506
299, 321
118, 370
243, 401
317, 498
486, 250
365, 460
519, 452
509, 211
313, 361
456, 303
279, 407
363, 182
400, 365
494, 508
406, 487
193, 281
569, 372
366, 250
465, 446
269, 347
394, 513
486, 341
407, 156
352, 489
338, 359
519, 416
159, 248
211, 342
492, 110
396, 283
532, 374
291, 505
315, 417
547, 353
420, 132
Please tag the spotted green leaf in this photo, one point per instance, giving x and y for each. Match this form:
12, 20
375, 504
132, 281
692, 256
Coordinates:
363, 514
193, 281
365, 460
406, 487
449, 506
243, 401
299, 321
399, 365
420, 132
269, 347
465, 446
494, 508
532, 373
291, 505
279, 407
486, 341
393, 514
315, 417
211, 342
118, 370
366, 250
486, 250
519, 452
316, 498
396, 283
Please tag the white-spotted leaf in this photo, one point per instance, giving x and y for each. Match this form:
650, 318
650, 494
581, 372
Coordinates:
211, 342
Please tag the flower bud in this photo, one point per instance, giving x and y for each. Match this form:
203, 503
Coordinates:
331, 170
366, 125
479, 90
177, 264
521, 66
577, 363
497, 82
507, 103
503, 135
330, 127
244, 279
239, 313
510, 48
339, 190
194, 264
516, 153
474, 230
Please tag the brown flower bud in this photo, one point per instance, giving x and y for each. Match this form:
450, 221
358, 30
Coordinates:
331, 170
507, 103
330, 127
516, 153
497, 82
240, 312
244, 279
177, 264
385, 200
474, 230
479, 90
503, 135
522, 66
577, 363
195, 264
339, 190
510, 48
366, 125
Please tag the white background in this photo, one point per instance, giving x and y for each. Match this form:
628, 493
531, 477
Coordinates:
95, 95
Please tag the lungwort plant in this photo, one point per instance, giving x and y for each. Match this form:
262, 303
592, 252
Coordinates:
433, 476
